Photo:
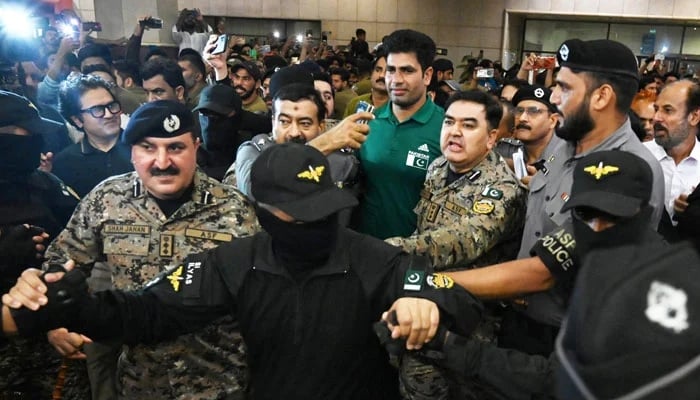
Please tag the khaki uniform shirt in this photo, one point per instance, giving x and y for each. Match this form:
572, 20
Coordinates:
474, 221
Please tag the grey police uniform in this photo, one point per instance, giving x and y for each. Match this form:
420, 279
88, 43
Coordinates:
549, 191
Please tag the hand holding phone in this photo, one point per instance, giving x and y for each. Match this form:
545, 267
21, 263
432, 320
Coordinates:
220, 44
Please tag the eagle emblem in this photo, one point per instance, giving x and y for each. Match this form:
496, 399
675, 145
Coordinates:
601, 170
175, 278
312, 174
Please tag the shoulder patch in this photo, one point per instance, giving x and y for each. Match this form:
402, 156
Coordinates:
440, 281
492, 193
413, 281
483, 207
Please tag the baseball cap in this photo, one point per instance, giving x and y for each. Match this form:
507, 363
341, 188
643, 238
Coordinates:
288, 75
249, 66
537, 93
161, 119
297, 180
221, 99
614, 181
19, 111
454, 85
442, 64
601, 55
632, 331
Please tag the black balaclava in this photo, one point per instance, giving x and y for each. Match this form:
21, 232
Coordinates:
300, 246
625, 231
19, 155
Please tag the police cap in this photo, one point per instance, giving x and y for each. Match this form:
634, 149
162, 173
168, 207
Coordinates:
606, 56
161, 119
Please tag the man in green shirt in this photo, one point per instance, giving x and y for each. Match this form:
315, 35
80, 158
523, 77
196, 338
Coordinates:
404, 138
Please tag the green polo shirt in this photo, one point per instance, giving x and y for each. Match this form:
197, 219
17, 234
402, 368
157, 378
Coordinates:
395, 158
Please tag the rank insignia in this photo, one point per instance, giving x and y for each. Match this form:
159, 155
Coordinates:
483, 207
440, 281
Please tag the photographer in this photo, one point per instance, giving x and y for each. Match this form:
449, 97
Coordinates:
190, 30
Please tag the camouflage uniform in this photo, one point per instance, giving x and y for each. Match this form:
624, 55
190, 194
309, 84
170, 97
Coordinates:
120, 225
473, 222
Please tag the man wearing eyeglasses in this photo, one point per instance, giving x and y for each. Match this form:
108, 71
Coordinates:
535, 121
87, 103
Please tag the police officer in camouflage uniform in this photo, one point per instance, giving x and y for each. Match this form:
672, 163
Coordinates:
139, 222
470, 214
34, 207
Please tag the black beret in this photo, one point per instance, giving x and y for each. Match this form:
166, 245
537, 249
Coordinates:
607, 56
534, 92
161, 119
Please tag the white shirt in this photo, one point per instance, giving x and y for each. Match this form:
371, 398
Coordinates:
678, 179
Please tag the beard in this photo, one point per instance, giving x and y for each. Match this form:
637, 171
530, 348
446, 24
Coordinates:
672, 138
246, 94
578, 124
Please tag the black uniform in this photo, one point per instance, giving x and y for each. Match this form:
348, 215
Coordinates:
28, 367
309, 335
82, 166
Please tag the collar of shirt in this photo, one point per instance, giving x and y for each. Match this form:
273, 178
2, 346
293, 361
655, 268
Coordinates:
421, 116
618, 138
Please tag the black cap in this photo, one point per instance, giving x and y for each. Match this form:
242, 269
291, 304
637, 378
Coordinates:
19, 111
287, 75
633, 331
615, 182
601, 55
534, 92
221, 99
443, 64
249, 66
297, 179
161, 119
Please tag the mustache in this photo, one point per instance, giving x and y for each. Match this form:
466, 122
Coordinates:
382, 80
298, 139
523, 126
239, 87
659, 127
170, 171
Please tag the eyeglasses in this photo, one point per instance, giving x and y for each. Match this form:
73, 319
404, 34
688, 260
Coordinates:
533, 111
99, 110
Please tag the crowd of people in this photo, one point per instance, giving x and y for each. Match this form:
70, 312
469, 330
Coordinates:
232, 225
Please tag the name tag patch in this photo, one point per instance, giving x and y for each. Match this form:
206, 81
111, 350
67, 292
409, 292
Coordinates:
209, 235
126, 229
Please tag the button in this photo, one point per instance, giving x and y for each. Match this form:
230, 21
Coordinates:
537, 234
547, 198
551, 215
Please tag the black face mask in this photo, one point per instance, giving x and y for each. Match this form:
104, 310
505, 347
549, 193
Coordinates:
625, 231
220, 133
19, 155
300, 245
